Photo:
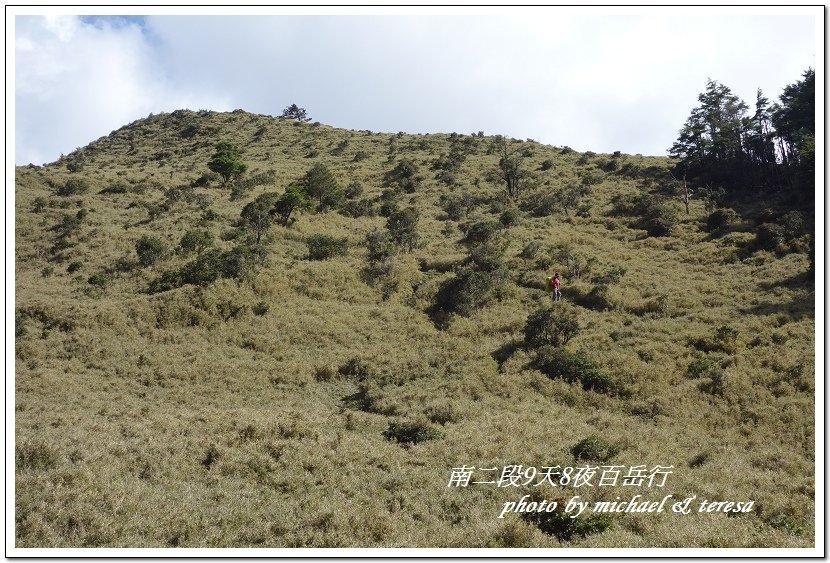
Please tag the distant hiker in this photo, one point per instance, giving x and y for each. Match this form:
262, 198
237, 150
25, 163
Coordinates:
555, 285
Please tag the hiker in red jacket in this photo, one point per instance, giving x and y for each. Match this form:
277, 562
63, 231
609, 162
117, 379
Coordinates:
555, 284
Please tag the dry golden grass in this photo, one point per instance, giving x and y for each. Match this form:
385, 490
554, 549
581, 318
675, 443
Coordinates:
184, 418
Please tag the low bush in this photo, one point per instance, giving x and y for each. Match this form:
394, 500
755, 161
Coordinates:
452, 206
39, 204
324, 247
353, 190
562, 525
404, 176
380, 246
531, 250
467, 291
411, 432
658, 219
73, 186
725, 340
355, 369
149, 250
209, 267
196, 240
769, 236
363, 207
594, 448
482, 232
510, 217
551, 326
573, 367
118, 187
721, 220
100, 280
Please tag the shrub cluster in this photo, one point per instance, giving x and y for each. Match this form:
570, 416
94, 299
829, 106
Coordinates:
573, 367
562, 526
149, 250
551, 326
594, 448
196, 240
404, 176
324, 247
411, 432
721, 220
209, 267
73, 186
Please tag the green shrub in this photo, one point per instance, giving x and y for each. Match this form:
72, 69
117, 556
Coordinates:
261, 308
573, 367
542, 204
209, 215
404, 176
447, 178
467, 291
793, 224
323, 374
531, 250
551, 326
562, 526
482, 232
39, 204
323, 247
658, 219
168, 280
725, 339
403, 227
720, 220
510, 217
717, 383
389, 203
380, 246
592, 178
452, 206
100, 280
74, 267
73, 186
700, 367
594, 448
408, 432
196, 240
355, 369
488, 257
769, 236
547, 164
150, 250
209, 267
363, 207
320, 184
353, 190
118, 187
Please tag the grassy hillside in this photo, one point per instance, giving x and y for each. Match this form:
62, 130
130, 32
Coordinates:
265, 408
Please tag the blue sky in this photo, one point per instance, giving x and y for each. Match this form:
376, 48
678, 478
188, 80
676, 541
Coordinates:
600, 80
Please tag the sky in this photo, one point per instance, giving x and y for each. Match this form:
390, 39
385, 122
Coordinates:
592, 79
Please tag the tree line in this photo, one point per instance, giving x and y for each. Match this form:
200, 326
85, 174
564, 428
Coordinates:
723, 144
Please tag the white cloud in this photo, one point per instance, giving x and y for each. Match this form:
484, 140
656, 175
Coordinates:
593, 82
